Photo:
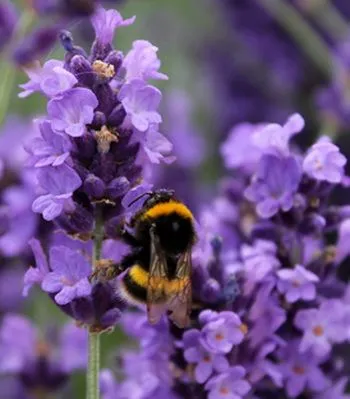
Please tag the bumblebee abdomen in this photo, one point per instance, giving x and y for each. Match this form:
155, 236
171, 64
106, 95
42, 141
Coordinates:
134, 285
135, 282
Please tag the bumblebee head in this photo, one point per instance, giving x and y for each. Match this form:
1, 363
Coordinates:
154, 197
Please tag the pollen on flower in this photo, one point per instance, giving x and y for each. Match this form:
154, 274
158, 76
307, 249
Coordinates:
330, 254
104, 139
224, 390
66, 281
296, 283
103, 69
318, 330
43, 349
314, 202
298, 369
219, 337
244, 328
207, 358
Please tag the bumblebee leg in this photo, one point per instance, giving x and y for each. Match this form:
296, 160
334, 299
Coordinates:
106, 269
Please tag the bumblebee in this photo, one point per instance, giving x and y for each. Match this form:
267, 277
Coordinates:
159, 264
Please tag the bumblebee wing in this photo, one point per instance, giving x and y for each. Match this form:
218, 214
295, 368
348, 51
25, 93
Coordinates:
156, 300
181, 303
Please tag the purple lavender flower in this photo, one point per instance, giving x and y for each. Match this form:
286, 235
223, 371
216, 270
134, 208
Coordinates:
21, 223
69, 276
72, 112
259, 260
59, 183
335, 391
140, 102
36, 360
301, 371
189, 145
321, 327
239, 150
222, 331
108, 385
35, 275
206, 361
142, 62
8, 21
73, 348
36, 44
274, 138
156, 148
325, 162
11, 279
105, 23
266, 315
50, 149
297, 283
133, 194
16, 352
230, 384
51, 79
262, 366
343, 249
274, 185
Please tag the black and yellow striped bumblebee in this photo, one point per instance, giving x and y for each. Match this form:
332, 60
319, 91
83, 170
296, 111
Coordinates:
159, 264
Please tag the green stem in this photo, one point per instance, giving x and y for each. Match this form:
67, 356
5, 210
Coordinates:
8, 72
93, 372
330, 19
93, 389
302, 33
6, 89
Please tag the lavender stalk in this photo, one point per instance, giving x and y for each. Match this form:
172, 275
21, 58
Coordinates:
303, 34
93, 370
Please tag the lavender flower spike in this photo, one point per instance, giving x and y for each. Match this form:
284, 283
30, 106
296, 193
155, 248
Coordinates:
8, 21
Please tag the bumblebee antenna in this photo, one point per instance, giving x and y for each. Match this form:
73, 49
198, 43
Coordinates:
149, 193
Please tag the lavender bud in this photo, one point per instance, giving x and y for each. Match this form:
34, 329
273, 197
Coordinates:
99, 120
115, 58
94, 187
211, 291
36, 45
107, 98
118, 187
117, 116
82, 70
8, 21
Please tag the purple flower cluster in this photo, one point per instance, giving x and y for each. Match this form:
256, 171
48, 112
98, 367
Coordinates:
17, 221
40, 361
50, 18
147, 372
98, 139
269, 307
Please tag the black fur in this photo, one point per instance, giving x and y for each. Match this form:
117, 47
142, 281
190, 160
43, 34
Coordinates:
135, 290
